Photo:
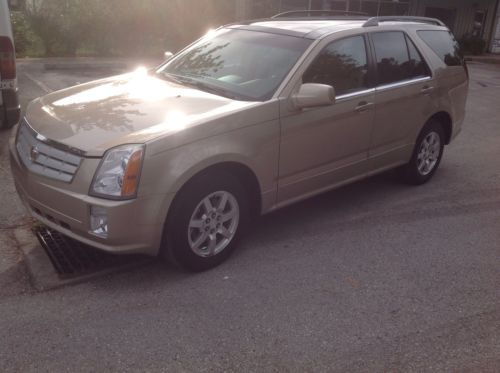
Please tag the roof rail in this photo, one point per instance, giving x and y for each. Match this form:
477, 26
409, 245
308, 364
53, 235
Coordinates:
374, 21
317, 13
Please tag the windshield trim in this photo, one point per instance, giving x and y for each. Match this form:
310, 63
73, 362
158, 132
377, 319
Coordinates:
293, 71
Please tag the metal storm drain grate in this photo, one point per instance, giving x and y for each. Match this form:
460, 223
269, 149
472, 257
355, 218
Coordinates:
72, 258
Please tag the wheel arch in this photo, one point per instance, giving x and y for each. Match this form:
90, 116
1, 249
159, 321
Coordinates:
240, 170
446, 121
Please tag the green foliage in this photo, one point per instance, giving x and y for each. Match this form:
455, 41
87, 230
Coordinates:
58, 23
472, 45
122, 27
24, 38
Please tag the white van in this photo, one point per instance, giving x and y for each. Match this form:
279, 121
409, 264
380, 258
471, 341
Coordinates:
9, 101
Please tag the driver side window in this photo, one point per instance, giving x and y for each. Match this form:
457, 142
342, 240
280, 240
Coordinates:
342, 64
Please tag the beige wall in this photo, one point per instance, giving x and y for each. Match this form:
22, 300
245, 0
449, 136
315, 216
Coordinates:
464, 15
495, 40
242, 9
465, 10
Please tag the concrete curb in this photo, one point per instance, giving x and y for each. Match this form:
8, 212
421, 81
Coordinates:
484, 59
40, 269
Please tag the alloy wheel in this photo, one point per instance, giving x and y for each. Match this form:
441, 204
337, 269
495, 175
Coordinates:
428, 154
213, 224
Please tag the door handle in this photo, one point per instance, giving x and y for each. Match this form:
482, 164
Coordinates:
427, 90
363, 106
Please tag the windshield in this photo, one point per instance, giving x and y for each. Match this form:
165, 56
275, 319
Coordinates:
239, 64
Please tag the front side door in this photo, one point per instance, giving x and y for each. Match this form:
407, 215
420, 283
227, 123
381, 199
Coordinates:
403, 99
322, 147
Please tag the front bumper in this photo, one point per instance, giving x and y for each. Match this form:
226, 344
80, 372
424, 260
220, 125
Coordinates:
134, 226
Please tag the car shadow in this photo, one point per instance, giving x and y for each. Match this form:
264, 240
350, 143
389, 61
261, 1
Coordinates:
268, 232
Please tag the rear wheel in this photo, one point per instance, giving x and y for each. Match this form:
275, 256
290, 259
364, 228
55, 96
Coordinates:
205, 222
427, 154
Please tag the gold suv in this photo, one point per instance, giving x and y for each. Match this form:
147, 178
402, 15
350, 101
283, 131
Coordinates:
250, 118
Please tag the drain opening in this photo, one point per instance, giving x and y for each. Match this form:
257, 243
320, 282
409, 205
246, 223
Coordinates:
72, 258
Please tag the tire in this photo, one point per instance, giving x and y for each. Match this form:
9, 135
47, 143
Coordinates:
425, 161
6, 124
196, 239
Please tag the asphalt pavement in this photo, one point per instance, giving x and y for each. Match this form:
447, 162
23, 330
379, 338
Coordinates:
374, 277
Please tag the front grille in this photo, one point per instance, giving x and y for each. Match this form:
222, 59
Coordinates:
71, 258
43, 159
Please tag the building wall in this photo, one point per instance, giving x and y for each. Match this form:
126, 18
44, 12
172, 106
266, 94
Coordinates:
459, 15
464, 12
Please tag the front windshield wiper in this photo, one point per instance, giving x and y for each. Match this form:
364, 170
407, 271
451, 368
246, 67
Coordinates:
183, 80
216, 90
171, 77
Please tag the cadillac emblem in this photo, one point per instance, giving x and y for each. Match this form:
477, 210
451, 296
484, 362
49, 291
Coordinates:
34, 154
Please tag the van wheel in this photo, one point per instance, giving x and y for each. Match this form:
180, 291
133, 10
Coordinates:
206, 221
427, 155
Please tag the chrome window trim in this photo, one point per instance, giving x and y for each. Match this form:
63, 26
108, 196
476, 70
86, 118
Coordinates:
401, 83
381, 88
52, 143
354, 94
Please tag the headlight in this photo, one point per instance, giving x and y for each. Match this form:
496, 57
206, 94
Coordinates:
118, 174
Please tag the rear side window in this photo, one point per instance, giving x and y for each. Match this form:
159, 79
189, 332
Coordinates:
444, 45
397, 58
342, 64
392, 57
417, 67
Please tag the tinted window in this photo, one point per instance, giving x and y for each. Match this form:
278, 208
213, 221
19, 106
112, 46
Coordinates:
444, 45
392, 57
342, 64
417, 66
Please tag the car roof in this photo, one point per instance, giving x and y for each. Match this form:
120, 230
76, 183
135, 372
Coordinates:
307, 27
316, 28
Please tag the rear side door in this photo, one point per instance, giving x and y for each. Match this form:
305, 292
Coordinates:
404, 98
324, 146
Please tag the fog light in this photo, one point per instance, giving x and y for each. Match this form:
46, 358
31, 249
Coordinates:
99, 221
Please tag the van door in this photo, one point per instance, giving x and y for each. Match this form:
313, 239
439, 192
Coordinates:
9, 102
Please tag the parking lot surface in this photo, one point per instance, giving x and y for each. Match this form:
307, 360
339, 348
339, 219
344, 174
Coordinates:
374, 277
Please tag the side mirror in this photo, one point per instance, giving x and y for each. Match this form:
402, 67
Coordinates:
168, 55
314, 95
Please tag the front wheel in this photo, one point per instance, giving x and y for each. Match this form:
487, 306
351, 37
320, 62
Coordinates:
427, 154
206, 221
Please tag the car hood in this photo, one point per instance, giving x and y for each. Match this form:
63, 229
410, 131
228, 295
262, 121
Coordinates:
131, 108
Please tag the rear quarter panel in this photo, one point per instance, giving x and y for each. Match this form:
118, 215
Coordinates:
451, 82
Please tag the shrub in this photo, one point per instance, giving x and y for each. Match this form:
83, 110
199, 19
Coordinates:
123, 27
24, 38
473, 45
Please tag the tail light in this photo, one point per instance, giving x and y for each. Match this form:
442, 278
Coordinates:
7, 59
